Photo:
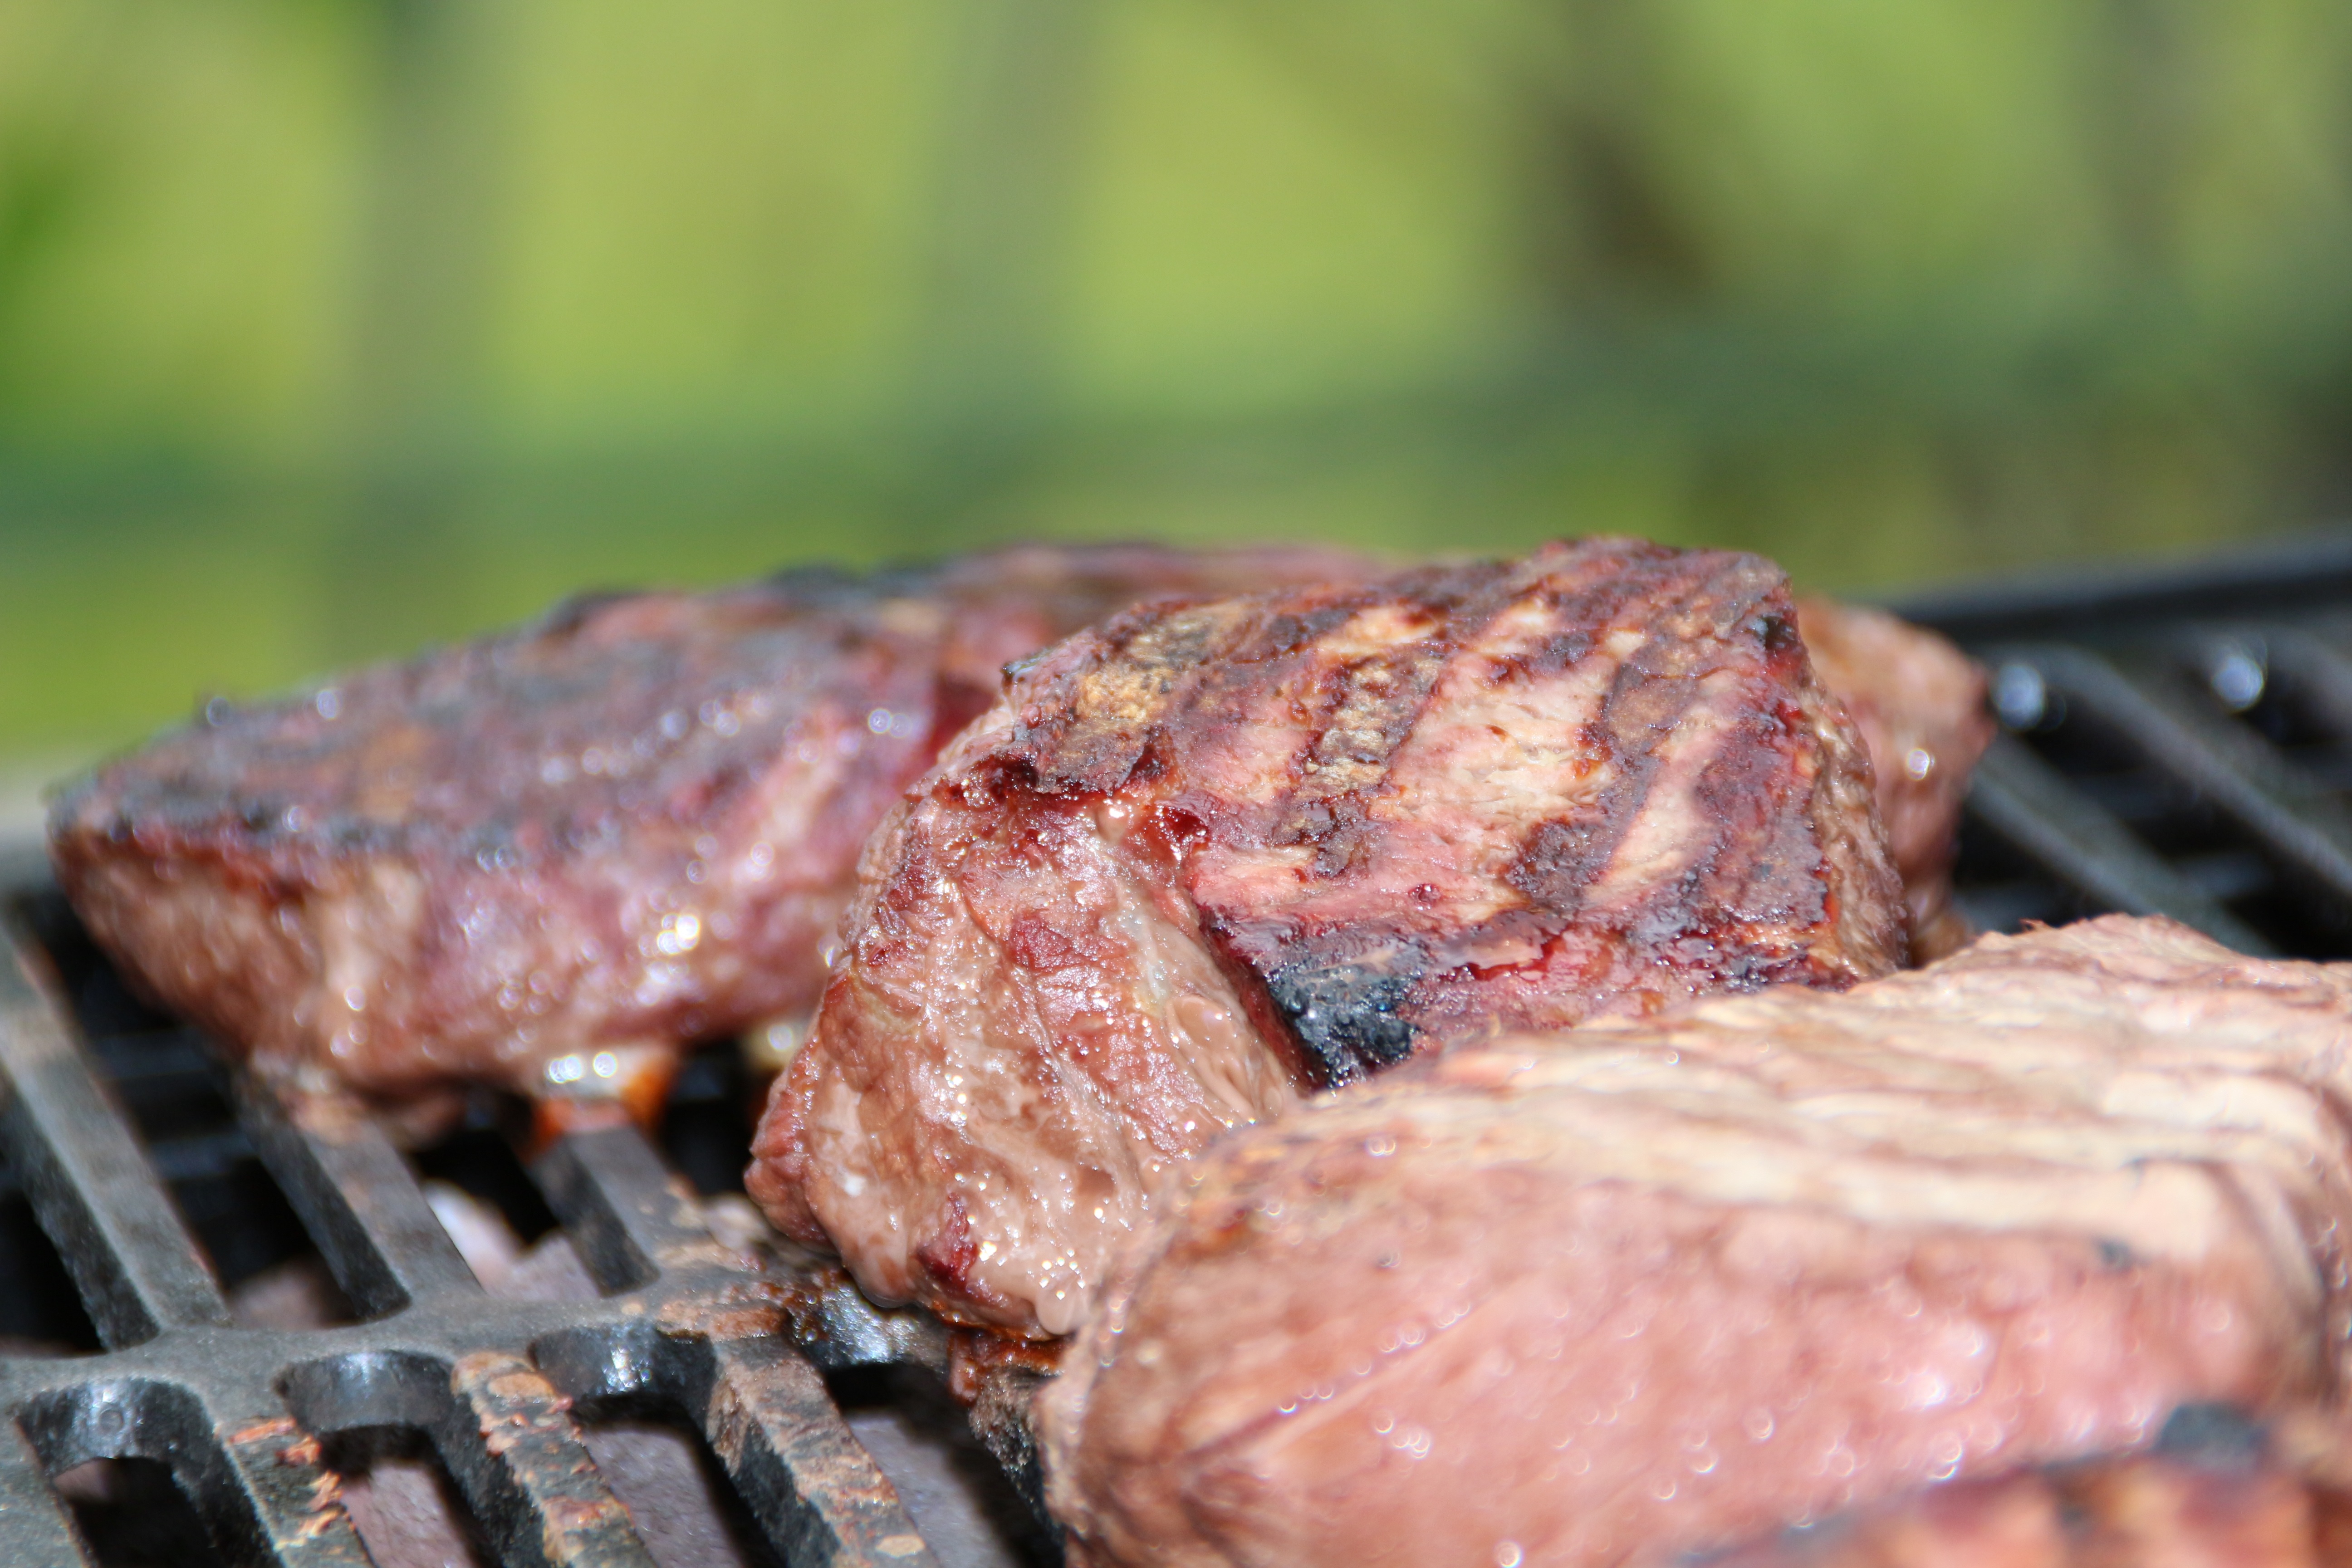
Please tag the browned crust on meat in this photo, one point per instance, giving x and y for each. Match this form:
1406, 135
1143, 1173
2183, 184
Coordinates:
631, 825
1294, 857
1207, 856
1919, 704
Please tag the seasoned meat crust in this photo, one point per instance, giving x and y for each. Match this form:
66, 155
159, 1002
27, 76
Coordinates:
543, 859
1633, 1292
1206, 857
1920, 705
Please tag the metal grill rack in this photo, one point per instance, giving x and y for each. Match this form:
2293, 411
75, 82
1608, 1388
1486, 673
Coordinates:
2177, 741
236, 1413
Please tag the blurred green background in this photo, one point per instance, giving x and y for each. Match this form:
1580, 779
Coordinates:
328, 327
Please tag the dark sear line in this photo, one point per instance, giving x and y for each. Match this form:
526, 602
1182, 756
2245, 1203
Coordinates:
1351, 1006
1207, 858
1373, 705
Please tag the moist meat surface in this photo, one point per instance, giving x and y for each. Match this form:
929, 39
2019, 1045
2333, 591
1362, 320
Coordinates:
547, 857
1645, 1291
1919, 703
2217, 1493
1206, 858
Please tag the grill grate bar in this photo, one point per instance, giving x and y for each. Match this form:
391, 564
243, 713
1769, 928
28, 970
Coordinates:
527, 1473
2029, 802
236, 1413
766, 1414
761, 1406
2242, 774
619, 1206
34, 1519
357, 1200
251, 1473
263, 1482
138, 1269
2290, 575
813, 1486
2315, 665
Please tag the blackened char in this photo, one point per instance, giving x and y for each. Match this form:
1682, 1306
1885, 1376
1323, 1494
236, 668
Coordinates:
1209, 856
543, 859
1637, 1291
1346, 1017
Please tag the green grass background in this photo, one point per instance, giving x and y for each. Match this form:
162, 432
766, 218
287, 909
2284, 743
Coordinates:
329, 327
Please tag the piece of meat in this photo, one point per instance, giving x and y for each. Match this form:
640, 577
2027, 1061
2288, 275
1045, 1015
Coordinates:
2219, 1497
1660, 1288
543, 859
1206, 858
1919, 703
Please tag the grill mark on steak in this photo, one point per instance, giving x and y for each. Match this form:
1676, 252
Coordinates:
1374, 704
1729, 842
631, 823
1095, 739
1335, 820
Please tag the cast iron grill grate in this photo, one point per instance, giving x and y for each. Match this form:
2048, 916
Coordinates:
686, 1325
2176, 742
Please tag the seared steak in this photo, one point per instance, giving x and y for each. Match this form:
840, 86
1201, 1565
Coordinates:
1659, 1288
544, 859
1919, 703
2217, 1492
1207, 857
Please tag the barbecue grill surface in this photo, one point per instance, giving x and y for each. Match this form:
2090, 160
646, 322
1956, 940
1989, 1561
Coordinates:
2179, 742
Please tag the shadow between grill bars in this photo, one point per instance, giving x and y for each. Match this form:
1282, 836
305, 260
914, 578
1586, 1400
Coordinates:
238, 1413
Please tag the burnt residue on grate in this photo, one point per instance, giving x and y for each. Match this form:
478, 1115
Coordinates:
163, 1184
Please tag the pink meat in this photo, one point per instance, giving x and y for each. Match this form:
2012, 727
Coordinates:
1643, 1290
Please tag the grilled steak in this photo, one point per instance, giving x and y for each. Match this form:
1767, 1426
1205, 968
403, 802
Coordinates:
1660, 1288
1206, 858
543, 859
2214, 1494
1919, 703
